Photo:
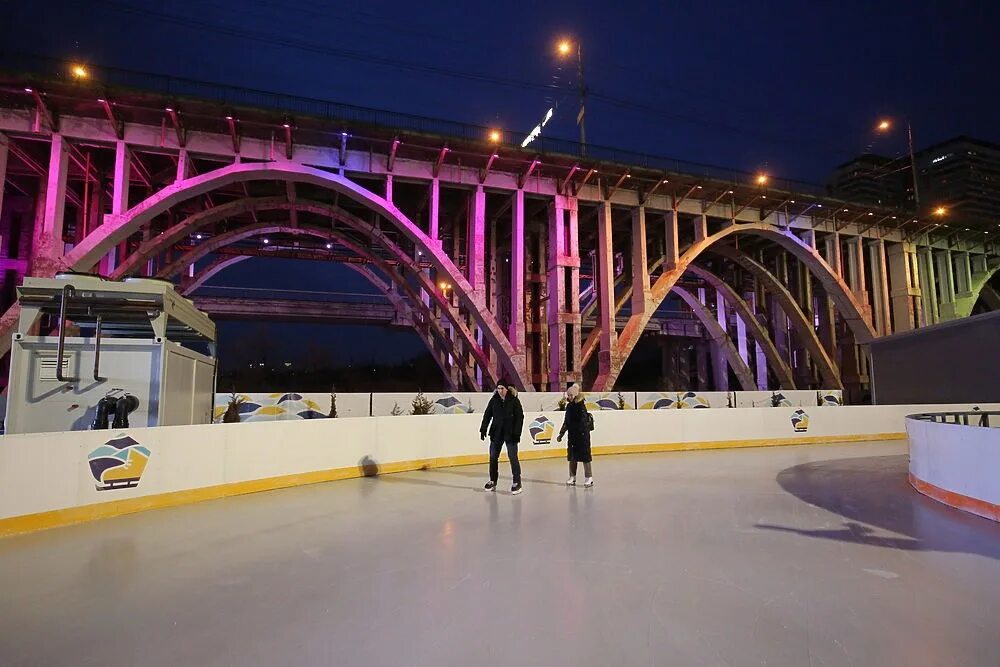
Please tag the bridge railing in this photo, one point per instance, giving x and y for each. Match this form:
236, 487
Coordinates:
33, 67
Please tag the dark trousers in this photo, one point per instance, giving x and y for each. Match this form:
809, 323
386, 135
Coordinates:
515, 466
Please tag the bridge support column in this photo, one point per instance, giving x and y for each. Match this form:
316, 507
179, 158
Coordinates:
946, 280
119, 198
856, 274
563, 304
928, 287
880, 287
832, 254
640, 265
827, 325
761, 365
700, 227
434, 213
4, 151
517, 240
48, 247
607, 360
906, 294
720, 367
672, 244
701, 365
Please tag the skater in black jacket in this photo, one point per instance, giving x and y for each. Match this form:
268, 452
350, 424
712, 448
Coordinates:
504, 410
577, 424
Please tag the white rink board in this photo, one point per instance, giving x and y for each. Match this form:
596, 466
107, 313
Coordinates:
192, 457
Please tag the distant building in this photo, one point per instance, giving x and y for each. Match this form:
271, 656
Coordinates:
961, 174
872, 179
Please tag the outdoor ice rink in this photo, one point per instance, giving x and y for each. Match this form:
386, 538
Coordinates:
800, 556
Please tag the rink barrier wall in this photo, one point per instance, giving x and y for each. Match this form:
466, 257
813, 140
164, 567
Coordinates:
956, 465
285, 406
49, 480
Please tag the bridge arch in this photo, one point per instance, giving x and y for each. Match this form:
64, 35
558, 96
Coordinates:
424, 317
118, 228
719, 335
424, 320
981, 289
832, 284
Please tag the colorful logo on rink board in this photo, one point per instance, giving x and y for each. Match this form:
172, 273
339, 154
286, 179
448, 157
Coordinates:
662, 401
800, 421
779, 400
830, 398
118, 463
541, 429
449, 405
693, 400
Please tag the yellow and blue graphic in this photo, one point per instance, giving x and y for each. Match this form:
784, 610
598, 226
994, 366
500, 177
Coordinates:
273, 406
691, 399
660, 401
828, 398
118, 463
541, 429
800, 421
450, 405
779, 400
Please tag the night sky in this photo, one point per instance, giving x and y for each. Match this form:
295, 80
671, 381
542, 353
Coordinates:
792, 87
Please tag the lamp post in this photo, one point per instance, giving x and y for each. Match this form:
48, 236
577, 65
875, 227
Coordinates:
886, 125
565, 48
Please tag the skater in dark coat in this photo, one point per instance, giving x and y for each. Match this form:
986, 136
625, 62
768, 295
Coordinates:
577, 424
504, 411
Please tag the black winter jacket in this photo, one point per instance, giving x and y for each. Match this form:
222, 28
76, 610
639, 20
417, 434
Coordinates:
507, 417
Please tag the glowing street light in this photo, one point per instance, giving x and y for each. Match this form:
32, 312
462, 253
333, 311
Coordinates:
565, 48
762, 179
884, 126
495, 136
940, 211
79, 71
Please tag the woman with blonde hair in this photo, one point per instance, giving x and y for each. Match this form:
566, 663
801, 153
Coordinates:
577, 423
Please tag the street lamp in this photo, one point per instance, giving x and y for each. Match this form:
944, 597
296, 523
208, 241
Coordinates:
884, 126
79, 71
762, 179
940, 211
495, 136
565, 48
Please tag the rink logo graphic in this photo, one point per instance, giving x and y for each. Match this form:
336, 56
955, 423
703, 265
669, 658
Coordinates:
800, 421
541, 430
118, 463
693, 400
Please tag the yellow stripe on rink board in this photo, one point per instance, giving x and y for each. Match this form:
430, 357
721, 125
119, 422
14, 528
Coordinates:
63, 517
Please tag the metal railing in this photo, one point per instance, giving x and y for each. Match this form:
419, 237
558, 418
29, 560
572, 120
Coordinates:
961, 417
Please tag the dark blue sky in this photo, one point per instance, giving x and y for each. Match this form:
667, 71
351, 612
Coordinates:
792, 87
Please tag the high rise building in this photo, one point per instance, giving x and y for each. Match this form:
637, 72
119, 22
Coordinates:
961, 174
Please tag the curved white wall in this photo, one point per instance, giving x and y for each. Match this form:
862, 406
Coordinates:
46, 479
956, 464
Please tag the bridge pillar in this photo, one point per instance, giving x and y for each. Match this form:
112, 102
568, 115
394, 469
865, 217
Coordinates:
827, 325
4, 151
434, 213
640, 265
856, 274
946, 280
701, 361
48, 247
607, 360
880, 287
904, 274
720, 367
928, 287
672, 245
476, 245
563, 280
832, 254
517, 240
761, 356
700, 227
